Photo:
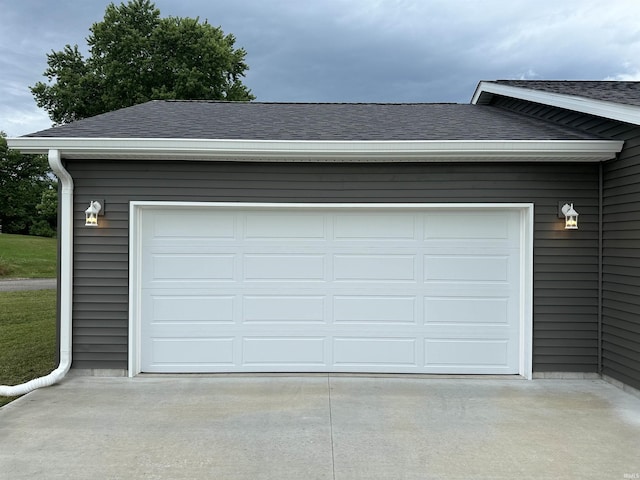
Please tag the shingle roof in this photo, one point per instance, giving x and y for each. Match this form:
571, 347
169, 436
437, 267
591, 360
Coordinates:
312, 121
627, 93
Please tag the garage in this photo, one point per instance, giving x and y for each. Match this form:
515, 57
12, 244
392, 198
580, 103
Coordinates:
322, 288
378, 238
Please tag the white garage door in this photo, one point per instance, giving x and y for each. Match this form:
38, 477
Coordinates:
329, 290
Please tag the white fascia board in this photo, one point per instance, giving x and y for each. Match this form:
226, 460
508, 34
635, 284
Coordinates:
322, 151
599, 108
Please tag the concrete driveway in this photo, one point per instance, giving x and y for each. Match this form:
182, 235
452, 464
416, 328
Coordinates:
321, 427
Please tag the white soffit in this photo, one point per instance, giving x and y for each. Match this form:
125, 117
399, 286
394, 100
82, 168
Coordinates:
322, 151
600, 108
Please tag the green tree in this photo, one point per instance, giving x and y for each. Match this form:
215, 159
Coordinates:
47, 209
23, 180
136, 56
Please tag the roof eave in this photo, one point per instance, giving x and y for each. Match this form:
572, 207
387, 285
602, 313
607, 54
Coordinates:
615, 111
322, 151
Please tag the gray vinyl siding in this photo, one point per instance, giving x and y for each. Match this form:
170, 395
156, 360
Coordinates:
565, 265
621, 238
621, 265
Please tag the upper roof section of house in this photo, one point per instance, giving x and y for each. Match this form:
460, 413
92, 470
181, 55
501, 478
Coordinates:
609, 99
627, 93
312, 122
353, 132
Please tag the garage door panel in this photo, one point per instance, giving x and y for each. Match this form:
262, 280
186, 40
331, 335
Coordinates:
462, 227
191, 267
469, 289
367, 268
372, 352
192, 308
288, 352
189, 354
284, 226
386, 227
468, 310
378, 309
275, 267
330, 289
177, 226
479, 330
466, 268
193, 330
284, 309
467, 353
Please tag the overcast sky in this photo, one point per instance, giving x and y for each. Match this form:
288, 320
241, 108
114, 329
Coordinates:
352, 50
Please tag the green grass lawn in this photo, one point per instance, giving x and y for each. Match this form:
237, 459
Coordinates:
27, 319
27, 336
23, 256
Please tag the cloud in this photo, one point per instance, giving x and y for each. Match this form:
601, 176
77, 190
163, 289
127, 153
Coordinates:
362, 50
633, 76
21, 120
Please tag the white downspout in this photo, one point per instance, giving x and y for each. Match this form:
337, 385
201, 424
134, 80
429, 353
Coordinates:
65, 285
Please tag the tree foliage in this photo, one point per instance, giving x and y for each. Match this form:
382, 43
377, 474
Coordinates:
28, 193
136, 56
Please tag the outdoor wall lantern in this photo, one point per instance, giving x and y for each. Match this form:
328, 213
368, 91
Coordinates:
91, 213
570, 217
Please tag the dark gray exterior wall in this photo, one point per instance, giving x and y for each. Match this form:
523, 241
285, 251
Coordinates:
621, 237
565, 269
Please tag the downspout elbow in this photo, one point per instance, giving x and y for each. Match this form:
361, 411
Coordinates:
65, 284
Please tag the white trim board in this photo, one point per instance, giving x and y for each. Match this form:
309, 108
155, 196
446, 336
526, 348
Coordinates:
137, 209
599, 108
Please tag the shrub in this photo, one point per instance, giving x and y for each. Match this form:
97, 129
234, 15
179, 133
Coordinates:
41, 228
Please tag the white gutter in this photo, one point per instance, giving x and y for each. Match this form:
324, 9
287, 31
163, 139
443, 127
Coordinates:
65, 284
323, 151
599, 108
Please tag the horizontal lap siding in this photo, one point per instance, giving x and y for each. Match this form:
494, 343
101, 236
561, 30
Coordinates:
621, 239
565, 283
621, 264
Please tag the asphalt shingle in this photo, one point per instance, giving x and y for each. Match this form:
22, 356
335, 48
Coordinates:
312, 121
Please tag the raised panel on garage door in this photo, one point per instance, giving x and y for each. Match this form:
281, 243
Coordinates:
407, 290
